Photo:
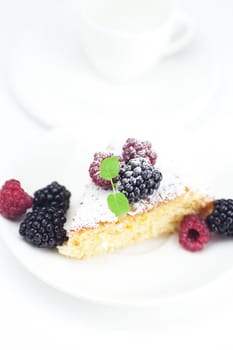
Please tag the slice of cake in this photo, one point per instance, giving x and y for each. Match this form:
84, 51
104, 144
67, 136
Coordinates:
96, 230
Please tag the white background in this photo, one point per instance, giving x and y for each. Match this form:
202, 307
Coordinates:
34, 316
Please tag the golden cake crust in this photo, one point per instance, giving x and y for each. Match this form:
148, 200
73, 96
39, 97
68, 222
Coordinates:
162, 219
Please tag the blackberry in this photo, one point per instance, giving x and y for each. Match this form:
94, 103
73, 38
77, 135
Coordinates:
134, 148
43, 227
221, 219
53, 195
138, 179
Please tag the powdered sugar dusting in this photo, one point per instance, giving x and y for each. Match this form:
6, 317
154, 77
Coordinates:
94, 208
171, 186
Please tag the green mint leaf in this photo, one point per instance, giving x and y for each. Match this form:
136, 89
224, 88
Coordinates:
109, 168
118, 204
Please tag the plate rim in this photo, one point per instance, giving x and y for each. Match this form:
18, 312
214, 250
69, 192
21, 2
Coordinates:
153, 302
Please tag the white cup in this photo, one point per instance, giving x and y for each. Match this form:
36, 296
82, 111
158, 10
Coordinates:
123, 39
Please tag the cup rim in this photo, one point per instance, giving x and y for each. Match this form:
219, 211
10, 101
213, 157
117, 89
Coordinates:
127, 34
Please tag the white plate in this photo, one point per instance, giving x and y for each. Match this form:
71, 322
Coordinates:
151, 274
49, 77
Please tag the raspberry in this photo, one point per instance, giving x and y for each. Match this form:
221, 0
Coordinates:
94, 170
194, 233
134, 148
138, 179
53, 195
14, 201
221, 219
43, 227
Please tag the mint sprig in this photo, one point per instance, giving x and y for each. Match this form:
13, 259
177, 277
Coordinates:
109, 168
117, 202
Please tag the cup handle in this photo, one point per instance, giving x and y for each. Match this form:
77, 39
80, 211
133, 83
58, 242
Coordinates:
183, 32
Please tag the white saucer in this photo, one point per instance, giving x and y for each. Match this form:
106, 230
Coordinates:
165, 274
51, 79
